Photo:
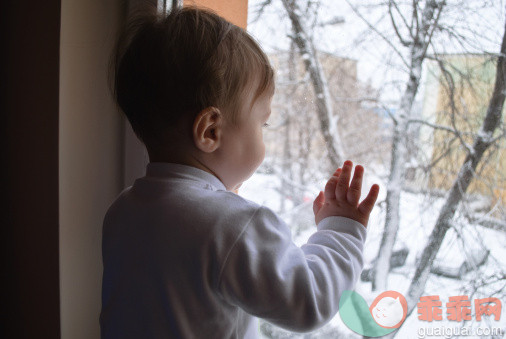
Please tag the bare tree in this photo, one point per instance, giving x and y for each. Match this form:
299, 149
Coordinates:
420, 28
482, 141
328, 124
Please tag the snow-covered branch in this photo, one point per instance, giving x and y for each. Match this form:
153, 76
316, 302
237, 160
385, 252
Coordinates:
391, 4
323, 100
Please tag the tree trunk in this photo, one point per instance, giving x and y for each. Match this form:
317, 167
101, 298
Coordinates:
399, 155
328, 122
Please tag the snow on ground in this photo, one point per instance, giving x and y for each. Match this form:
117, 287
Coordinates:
418, 216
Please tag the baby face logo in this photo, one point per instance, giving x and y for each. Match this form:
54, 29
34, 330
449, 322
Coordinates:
386, 313
389, 309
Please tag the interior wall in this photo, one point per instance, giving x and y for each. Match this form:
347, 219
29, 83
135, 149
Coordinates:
29, 63
235, 11
90, 157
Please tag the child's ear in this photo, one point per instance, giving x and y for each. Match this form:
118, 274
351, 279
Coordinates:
207, 129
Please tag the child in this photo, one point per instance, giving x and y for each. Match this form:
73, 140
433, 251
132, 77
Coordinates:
185, 257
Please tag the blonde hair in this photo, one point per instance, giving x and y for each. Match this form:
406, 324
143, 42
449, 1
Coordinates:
171, 66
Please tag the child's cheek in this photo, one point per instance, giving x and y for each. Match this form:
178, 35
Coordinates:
261, 155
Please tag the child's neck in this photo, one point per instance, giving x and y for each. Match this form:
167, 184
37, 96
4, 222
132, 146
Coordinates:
180, 156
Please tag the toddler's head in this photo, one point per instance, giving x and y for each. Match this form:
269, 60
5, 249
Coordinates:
194, 87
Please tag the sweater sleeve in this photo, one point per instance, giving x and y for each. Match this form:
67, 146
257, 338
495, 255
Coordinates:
297, 288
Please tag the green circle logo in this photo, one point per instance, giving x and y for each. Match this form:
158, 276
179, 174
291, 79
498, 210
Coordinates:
386, 313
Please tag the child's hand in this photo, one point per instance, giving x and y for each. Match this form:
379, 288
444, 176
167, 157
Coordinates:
342, 198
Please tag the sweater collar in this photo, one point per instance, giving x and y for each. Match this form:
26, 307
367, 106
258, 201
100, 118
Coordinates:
178, 171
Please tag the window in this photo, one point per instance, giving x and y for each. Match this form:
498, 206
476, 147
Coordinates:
406, 89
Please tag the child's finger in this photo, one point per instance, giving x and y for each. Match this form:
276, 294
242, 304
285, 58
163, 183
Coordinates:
367, 204
337, 173
330, 188
344, 180
318, 203
355, 188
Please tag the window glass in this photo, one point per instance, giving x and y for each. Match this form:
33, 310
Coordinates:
409, 90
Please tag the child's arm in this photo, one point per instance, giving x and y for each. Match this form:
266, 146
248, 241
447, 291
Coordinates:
299, 289
341, 198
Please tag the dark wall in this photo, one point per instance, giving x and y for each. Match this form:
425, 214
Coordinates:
29, 76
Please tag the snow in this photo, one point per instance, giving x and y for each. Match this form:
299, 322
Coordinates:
485, 136
418, 213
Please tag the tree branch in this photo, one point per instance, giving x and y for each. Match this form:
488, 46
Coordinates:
394, 25
435, 126
388, 41
261, 10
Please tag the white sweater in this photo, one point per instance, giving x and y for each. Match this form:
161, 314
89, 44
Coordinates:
184, 258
